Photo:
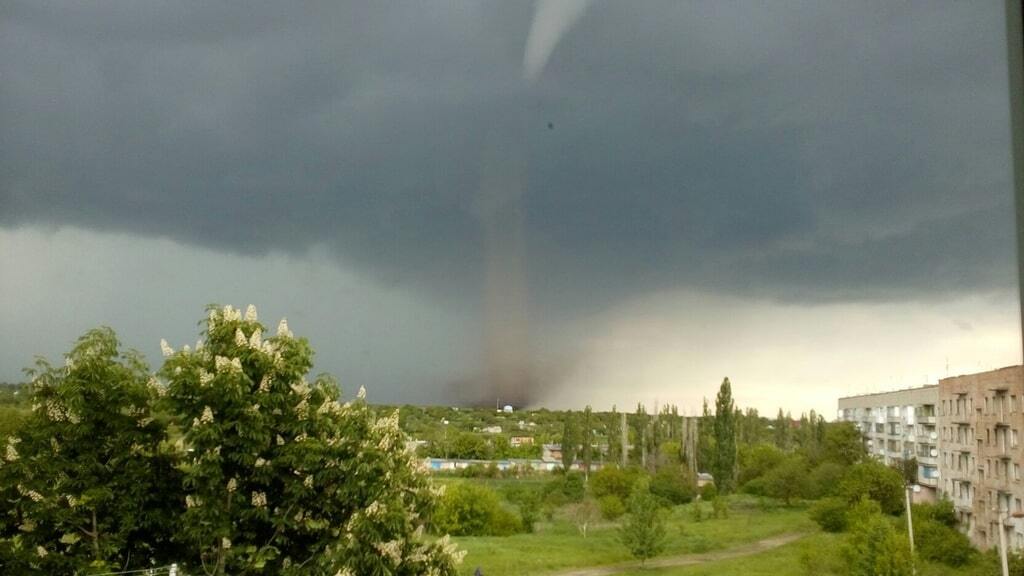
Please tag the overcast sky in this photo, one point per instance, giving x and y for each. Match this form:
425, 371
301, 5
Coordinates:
810, 198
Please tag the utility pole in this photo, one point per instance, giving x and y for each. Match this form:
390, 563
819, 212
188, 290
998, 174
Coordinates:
1002, 539
910, 529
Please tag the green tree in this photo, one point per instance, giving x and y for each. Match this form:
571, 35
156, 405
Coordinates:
788, 480
843, 444
875, 481
86, 484
612, 480
587, 439
614, 428
706, 440
643, 532
874, 547
782, 431
570, 440
725, 439
755, 461
281, 476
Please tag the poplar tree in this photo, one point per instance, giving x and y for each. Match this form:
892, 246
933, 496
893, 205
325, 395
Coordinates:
725, 439
614, 428
706, 440
586, 451
570, 439
782, 431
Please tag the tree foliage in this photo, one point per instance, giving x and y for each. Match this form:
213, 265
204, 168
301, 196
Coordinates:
873, 480
282, 477
725, 439
874, 547
570, 441
85, 483
643, 532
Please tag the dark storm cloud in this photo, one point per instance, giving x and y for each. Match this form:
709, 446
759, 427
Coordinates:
806, 151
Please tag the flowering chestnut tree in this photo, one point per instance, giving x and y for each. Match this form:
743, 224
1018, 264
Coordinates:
279, 475
87, 484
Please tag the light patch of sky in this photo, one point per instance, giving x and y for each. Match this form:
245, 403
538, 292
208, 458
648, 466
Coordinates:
64, 281
676, 347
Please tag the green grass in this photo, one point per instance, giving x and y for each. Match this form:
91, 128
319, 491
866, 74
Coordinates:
558, 545
817, 554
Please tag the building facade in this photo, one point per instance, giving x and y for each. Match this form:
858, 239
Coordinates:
981, 417
900, 425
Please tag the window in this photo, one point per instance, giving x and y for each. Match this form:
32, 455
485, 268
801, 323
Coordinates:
1013, 438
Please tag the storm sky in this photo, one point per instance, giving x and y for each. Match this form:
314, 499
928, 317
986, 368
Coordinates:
812, 198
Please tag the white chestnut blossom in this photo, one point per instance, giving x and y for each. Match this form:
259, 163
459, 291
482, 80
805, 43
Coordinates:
265, 384
225, 543
308, 482
240, 339
282, 328
392, 549
231, 314
362, 393
41, 552
204, 377
256, 340
259, 499
165, 348
232, 485
250, 313
207, 417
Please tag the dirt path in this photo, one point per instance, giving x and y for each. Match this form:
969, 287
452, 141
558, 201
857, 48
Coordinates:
690, 559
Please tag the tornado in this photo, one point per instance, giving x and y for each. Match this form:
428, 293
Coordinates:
509, 372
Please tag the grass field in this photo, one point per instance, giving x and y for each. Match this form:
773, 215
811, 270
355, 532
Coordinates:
815, 554
558, 545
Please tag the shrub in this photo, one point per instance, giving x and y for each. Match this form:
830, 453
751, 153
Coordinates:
756, 487
697, 511
720, 507
941, 543
527, 500
612, 480
674, 484
567, 488
611, 506
788, 480
708, 492
469, 509
505, 523
830, 514
940, 512
823, 480
874, 548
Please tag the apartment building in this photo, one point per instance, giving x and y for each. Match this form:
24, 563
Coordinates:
900, 425
981, 417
